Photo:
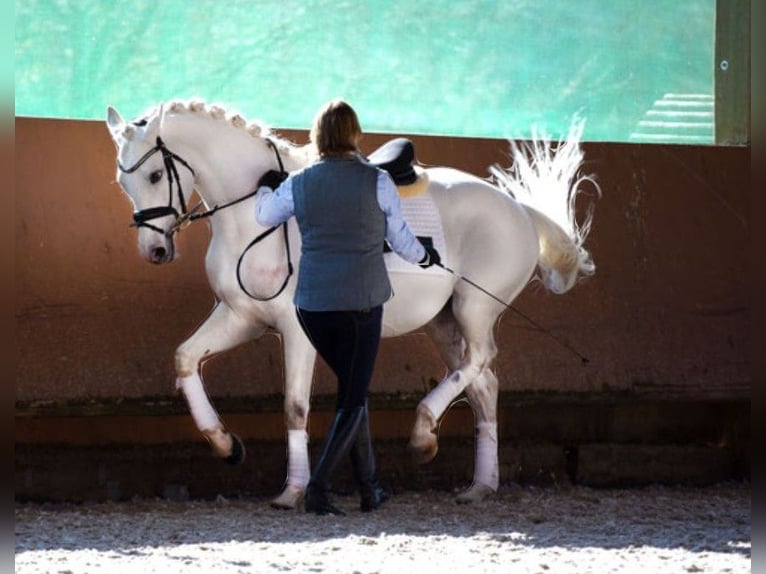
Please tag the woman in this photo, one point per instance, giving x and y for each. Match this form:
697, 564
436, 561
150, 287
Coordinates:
345, 209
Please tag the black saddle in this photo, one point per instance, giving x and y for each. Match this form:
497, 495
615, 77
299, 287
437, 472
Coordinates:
396, 157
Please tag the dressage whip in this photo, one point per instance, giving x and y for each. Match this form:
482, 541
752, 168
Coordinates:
583, 359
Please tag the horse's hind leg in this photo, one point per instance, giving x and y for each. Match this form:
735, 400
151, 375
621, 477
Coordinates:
482, 394
444, 330
222, 330
475, 319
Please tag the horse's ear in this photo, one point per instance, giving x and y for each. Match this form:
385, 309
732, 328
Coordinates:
154, 124
114, 121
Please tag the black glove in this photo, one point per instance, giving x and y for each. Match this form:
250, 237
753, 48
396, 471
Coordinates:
272, 178
431, 257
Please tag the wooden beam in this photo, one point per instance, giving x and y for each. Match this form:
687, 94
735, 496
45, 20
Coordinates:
732, 72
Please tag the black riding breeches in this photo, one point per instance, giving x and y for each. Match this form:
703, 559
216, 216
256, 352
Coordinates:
348, 342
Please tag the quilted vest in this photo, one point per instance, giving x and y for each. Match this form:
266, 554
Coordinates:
342, 234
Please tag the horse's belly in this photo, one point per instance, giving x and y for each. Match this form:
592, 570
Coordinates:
418, 297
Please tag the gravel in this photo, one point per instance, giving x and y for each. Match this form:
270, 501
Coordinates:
654, 529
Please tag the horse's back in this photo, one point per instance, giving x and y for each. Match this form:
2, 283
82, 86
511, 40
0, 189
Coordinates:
487, 231
487, 237
465, 200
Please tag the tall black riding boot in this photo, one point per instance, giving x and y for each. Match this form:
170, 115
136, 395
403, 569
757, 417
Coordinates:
341, 437
363, 461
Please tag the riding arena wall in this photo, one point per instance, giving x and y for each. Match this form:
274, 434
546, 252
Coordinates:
664, 395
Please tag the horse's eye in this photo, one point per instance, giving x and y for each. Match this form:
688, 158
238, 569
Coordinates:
155, 176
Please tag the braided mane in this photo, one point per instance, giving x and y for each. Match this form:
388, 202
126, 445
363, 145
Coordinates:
255, 128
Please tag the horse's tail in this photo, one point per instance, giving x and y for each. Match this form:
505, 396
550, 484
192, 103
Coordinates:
547, 183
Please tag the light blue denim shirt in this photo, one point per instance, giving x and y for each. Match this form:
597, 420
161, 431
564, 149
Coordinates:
273, 208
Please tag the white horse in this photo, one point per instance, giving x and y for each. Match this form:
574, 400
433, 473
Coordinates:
494, 235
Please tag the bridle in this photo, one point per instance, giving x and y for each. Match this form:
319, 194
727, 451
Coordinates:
142, 217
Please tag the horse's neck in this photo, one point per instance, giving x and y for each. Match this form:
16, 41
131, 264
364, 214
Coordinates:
228, 160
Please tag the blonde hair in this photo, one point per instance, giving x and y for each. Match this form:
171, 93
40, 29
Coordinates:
336, 129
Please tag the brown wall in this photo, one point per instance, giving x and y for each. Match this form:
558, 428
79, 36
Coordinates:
666, 315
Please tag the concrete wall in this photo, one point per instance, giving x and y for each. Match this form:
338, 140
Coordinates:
665, 324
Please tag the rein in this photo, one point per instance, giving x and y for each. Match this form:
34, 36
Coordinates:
262, 236
191, 216
142, 217
289, 264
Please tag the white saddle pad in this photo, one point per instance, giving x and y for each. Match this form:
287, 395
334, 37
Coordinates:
424, 220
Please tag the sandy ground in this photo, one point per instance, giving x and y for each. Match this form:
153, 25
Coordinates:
574, 529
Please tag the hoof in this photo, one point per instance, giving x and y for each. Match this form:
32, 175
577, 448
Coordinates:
424, 444
290, 499
475, 493
423, 453
237, 455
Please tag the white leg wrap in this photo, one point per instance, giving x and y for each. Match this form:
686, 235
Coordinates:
440, 397
202, 411
298, 472
486, 471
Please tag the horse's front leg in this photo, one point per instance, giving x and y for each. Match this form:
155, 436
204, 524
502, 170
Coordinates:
222, 330
299, 358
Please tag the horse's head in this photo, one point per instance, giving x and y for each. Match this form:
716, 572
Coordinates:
157, 181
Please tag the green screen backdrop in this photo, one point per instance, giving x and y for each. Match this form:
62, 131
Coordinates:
637, 71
